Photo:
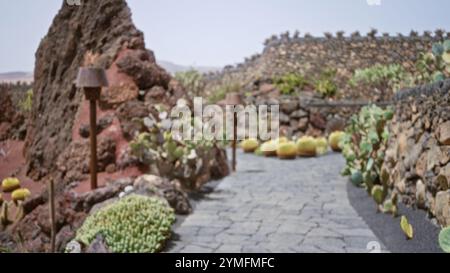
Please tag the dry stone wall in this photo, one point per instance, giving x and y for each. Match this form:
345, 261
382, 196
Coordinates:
418, 154
310, 56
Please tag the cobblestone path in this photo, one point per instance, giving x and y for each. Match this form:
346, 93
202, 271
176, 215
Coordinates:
271, 205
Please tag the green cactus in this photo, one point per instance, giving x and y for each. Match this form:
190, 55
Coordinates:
362, 146
406, 228
290, 83
378, 195
10, 184
134, 224
4, 219
444, 239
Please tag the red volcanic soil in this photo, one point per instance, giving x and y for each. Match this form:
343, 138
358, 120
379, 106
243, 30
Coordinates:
12, 164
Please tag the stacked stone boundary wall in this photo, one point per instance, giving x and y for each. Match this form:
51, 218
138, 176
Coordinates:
310, 56
418, 152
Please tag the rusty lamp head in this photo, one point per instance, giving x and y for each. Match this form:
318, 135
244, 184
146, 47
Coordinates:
91, 80
233, 99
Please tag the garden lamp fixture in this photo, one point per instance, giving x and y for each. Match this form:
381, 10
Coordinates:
91, 80
234, 99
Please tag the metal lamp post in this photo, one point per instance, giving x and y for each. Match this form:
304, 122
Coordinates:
91, 80
234, 99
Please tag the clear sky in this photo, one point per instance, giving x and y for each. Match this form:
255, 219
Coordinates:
221, 32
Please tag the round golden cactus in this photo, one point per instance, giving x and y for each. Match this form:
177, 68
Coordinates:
322, 146
306, 146
10, 184
249, 145
20, 194
269, 148
287, 150
334, 140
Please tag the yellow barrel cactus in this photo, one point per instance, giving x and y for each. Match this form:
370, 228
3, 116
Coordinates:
10, 184
269, 148
322, 146
287, 150
20, 194
334, 140
249, 145
307, 146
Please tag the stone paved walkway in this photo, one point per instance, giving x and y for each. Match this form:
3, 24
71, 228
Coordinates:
271, 205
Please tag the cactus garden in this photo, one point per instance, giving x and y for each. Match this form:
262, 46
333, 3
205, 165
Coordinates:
320, 143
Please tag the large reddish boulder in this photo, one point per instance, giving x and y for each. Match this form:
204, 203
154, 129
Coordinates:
100, 33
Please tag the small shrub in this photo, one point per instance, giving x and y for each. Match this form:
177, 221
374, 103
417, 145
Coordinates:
290, 83
27, 103
192, 81
325, 85
219, 92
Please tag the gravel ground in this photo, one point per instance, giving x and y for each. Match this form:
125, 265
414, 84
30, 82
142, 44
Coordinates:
388, 228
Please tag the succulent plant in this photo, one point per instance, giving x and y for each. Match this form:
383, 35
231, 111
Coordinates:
169, 154
290, 83
4, 219
20, 195
322, 146
335, 140
356, 178
287, 150
250, 145
390, 205
435, 65
258, 151
269, 148
444, 239
378, 195
306, 146
406, 227
134, 224
362, 146
10, 184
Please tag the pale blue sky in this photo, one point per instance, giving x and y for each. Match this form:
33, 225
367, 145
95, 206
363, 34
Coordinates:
220, 32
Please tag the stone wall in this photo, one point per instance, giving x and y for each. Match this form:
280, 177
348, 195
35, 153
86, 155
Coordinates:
310, 56
299, 116
418, 154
